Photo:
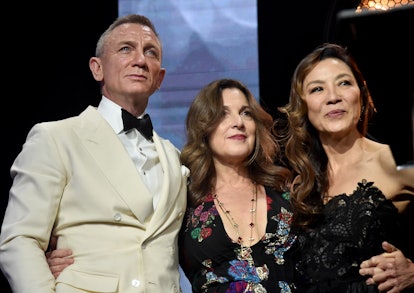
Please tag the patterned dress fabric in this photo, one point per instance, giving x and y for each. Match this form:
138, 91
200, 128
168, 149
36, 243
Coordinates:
214, 263
352, 230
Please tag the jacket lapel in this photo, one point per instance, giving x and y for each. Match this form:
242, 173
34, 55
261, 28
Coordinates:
110, 155
172, 203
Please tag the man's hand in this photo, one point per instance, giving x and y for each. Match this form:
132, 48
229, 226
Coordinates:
391, 270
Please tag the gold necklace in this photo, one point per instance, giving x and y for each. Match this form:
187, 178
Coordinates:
234, 224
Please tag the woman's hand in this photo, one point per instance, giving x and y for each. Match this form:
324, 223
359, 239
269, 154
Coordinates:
58, 260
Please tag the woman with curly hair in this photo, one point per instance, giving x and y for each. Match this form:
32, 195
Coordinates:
348, 194
236, 234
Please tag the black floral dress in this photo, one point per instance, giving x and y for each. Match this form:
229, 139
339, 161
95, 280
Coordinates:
351, 231
214, 263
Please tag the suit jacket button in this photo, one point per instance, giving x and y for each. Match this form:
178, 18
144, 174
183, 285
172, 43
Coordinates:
135, 283
117, 217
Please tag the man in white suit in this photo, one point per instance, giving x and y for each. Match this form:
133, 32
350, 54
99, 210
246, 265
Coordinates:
115, 197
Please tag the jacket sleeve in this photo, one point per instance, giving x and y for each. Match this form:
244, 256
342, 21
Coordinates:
38, 182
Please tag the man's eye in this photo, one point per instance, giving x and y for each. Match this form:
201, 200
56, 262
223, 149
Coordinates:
151, 52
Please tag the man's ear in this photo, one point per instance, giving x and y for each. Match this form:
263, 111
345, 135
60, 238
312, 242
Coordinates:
96, 68
161, 76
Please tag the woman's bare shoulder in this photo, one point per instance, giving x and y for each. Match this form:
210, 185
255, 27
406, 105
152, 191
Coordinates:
382, 152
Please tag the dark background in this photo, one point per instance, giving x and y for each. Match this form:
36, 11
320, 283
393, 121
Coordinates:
47, 48
381, 42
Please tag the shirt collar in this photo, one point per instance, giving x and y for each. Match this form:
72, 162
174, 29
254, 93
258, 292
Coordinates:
112, 114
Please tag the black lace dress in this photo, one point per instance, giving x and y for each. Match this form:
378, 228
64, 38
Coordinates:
352, 230
213, 262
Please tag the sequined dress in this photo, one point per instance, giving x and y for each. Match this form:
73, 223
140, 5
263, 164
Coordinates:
352, 230
214, 263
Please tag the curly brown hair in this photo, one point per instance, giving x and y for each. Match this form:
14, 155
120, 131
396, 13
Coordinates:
204, 115
303, 149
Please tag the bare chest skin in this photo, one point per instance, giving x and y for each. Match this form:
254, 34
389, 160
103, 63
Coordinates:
378, 167
236, 209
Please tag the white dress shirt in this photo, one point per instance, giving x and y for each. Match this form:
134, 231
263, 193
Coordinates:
142, 152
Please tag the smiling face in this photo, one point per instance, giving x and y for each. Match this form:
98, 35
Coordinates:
332, 95
234, 138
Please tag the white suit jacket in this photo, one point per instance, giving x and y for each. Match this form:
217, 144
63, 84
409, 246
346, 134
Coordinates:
75, 180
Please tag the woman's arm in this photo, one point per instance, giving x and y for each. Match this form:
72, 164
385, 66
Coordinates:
57, 259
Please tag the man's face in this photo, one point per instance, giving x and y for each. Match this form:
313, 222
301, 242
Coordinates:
130, 67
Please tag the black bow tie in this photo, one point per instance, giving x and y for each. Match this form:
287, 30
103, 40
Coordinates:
143, 125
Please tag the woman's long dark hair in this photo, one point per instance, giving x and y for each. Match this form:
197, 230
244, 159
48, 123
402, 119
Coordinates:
303, 149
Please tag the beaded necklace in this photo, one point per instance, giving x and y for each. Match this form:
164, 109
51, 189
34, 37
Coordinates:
244, 250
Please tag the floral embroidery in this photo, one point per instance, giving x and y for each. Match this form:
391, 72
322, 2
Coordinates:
269, 202
203, 217
212, 278
281, 241
242, 273
285, 288
286, 195
237, 287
